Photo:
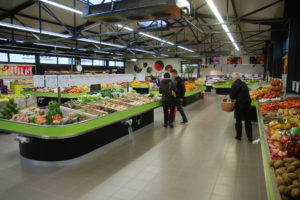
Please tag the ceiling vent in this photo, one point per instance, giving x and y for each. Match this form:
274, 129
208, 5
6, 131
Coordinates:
128, 11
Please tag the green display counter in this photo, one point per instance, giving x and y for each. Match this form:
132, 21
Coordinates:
67, 142
190, 97
55, 95
272, 191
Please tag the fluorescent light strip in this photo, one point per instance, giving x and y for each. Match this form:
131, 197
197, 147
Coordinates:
181, 47
62, 6
154, 37
4, 39
52, 45
220, 19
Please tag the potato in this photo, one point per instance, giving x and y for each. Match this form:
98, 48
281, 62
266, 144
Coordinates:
295, 181
295, 193
271, 162
284, 197
296, 185
278, 164
289, 160
279, 180
283, 189
280, 171
286, 179
297, 171
287, 164
292, 176
291, 168
296, 163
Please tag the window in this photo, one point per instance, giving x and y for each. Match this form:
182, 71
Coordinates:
3, 57
112, 63
48, 59
119, 64
21, 58
99, 62
65, 61
95, 2
86, 62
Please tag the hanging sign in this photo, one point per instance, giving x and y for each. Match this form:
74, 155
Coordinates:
15, 70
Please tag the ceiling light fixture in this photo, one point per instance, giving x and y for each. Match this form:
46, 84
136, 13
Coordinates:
221, 21
154, 37
62, 6
52, 45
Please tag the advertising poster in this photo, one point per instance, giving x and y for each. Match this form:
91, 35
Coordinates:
15, 70
234, 60
257, 60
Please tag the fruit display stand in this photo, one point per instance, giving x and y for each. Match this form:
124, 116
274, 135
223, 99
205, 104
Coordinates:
222, 89
65, 142
52, 144
270, 181
141, 89
192, 96
44, 98
279, 126
189, 98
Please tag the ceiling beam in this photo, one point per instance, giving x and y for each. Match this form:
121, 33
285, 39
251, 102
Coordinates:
17, 9
236, 16
260, 9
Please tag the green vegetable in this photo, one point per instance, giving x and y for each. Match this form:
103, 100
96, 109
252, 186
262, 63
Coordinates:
53, 109
295, 130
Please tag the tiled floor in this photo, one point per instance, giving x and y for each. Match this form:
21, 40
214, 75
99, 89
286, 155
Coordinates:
198, 161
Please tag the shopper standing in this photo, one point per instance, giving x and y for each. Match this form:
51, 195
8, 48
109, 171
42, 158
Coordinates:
240, 92
168, 91
179, 84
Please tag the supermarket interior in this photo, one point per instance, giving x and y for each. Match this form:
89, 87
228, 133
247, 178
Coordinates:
149, 99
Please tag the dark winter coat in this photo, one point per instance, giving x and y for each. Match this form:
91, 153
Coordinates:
166, 86
240, 92
179, 84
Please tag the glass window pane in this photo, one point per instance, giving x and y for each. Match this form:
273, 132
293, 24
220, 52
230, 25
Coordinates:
22, 58
65, 60
112, 63
119, 63
86, 62
3, 57
48, 59
99, 62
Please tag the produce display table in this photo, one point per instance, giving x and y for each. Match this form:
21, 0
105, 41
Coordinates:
43, 98
65, 142
222, 89
190, 97
272, 191
141, 89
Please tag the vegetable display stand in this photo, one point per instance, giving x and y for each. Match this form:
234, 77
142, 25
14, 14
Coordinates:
270, 180
222, 89
193, 96
141, 90
46, 144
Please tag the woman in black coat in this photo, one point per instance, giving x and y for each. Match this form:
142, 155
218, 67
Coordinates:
240, 92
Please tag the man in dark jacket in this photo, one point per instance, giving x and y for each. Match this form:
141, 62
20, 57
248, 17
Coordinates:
179, 84
168, 91
240, 92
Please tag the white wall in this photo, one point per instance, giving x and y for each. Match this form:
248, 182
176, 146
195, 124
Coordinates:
220, 69
223, 69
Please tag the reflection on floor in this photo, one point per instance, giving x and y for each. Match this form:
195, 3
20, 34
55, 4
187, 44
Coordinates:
197, 161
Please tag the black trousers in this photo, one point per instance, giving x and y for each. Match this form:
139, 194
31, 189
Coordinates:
166, 105
242, 113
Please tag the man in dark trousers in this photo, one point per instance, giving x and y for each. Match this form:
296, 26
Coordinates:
240, 92
168, 91
179, 83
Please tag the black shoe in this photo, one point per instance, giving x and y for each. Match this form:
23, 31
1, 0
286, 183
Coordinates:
171, 125
237, 138
165, 125
184, 122
250, 139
